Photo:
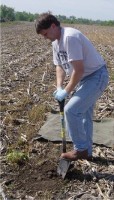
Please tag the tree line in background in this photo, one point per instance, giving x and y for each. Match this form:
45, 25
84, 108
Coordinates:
9, 14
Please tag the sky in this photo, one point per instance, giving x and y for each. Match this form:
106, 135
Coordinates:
89, 9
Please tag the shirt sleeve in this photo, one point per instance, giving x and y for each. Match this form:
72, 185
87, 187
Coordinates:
74, 48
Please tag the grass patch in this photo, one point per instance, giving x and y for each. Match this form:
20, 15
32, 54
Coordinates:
112, 76
5, 24
25, 103
38, 113
16, 157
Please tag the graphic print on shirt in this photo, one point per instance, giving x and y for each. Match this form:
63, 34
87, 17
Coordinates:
62, 55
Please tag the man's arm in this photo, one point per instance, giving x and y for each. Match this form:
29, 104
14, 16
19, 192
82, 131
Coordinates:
60, 76
78, 71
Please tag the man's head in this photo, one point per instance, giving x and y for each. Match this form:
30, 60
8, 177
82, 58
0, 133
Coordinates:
48, 26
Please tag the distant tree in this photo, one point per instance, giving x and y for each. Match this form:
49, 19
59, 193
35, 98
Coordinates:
7, 13
108, 23
62, 18
31, 17
21, 16
72, 19
24, 16
36, 15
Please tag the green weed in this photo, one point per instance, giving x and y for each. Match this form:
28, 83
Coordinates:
16, 157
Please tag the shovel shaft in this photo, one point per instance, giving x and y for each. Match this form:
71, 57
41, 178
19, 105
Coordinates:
63, 164
63, 132
61, 105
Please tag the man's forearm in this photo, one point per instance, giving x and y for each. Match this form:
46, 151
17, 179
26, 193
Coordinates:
60, 76
76, 76
74, 80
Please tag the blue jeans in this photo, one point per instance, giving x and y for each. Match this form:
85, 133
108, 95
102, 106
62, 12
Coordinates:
79, 110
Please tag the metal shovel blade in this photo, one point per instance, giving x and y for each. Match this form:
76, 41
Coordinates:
63, 167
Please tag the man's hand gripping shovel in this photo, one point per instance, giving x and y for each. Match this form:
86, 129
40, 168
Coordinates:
64, 164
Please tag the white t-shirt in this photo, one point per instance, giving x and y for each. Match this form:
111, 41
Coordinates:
72, 46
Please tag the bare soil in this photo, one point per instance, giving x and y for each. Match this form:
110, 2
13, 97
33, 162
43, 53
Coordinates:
27, 83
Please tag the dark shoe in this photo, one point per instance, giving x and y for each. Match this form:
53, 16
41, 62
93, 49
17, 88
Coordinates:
75, 155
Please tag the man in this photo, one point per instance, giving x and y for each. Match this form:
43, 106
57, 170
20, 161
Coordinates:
75, 55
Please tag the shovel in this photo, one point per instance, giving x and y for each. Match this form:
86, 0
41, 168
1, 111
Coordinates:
64, 164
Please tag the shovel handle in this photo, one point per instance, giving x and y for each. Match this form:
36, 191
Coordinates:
61, 105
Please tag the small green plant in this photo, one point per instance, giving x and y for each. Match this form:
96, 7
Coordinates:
16, 157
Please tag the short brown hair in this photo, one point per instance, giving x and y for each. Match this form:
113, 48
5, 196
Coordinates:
44, 21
